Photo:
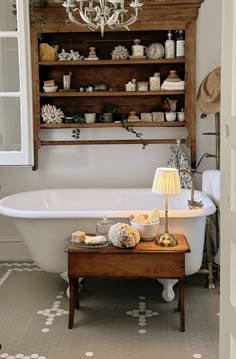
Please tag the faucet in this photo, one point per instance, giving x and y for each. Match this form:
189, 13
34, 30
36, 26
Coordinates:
192, 203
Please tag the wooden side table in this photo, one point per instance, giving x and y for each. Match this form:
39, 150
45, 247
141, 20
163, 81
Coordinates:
146, 260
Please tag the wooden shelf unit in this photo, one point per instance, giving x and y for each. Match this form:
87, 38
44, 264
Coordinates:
154, 22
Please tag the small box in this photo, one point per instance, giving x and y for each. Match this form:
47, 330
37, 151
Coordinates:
142, 86
158, 117
146, 117
130, 87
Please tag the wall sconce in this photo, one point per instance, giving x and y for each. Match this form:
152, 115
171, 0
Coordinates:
166, 181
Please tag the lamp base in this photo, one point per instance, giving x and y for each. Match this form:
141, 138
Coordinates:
166, 240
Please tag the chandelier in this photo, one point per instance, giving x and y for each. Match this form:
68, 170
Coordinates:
101, 13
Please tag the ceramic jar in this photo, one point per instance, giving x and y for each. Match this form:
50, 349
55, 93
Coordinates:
133, 116
155, 82
137, 49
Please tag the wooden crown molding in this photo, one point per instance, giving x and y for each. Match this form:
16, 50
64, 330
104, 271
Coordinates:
153, 10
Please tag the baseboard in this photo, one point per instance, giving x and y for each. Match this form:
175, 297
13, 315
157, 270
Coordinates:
13, 249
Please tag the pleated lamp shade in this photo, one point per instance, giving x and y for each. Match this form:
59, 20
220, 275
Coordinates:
166, 181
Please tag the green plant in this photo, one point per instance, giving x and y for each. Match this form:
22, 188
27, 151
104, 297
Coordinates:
76, 133
79, 118
127, 127
109, 108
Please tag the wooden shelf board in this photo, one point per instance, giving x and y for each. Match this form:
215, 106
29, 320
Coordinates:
111, 62
110, 142
110, 93
111, 124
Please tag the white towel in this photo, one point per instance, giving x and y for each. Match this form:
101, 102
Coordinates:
172, 85
211, 185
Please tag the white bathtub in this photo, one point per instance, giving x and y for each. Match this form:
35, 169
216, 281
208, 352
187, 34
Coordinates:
46, 218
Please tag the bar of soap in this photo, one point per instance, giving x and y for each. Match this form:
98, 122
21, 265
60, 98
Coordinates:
95, 240
78, 237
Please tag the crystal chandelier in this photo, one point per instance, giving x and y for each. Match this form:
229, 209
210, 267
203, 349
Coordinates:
101, 13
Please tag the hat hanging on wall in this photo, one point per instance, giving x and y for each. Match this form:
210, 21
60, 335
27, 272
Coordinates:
208, 97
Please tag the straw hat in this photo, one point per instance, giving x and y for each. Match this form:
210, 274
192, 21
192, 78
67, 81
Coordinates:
208, 97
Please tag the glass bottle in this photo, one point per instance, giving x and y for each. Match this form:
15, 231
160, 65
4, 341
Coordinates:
180, 44
169, 47
103, 226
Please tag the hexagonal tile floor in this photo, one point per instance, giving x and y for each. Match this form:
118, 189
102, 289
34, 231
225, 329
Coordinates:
118, 318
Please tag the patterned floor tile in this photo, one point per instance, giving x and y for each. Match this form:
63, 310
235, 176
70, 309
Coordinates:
118, 318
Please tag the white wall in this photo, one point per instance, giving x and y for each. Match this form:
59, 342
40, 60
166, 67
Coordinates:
208, 58
114, 165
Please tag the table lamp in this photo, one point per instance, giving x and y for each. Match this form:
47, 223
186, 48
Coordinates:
166, 181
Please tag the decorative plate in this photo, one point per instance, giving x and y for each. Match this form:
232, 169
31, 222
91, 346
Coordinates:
155, 51
83, 245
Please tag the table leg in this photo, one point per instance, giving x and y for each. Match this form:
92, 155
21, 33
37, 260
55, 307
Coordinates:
73, 285
181, 305
77, 303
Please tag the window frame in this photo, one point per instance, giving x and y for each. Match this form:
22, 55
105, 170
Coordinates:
23, 157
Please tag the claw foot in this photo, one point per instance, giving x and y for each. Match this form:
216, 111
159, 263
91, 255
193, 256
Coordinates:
64, 276
168, 293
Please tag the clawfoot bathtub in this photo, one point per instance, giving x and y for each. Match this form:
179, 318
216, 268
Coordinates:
46, 218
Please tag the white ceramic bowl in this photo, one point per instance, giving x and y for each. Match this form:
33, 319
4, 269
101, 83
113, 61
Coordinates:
147, 231
180, 116
170, 116
50, 88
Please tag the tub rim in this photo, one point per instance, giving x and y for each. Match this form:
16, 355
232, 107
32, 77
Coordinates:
58, 214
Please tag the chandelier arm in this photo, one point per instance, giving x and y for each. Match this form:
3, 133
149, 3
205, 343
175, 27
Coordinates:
113, 19
87, 21
98, 15
91, 28
73, 19
125, 24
